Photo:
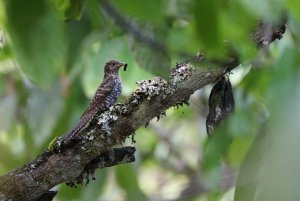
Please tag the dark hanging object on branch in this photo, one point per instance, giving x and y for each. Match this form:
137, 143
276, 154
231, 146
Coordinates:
221, 104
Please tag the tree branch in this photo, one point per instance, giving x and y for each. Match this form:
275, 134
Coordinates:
38, 185
112, 127
132, 27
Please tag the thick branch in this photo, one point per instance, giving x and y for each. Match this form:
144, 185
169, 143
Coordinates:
34, 176
33, 180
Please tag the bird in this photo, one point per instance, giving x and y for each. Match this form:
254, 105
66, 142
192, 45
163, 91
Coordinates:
105, 96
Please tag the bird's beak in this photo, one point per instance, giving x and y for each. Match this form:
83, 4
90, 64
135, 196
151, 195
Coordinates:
124, 64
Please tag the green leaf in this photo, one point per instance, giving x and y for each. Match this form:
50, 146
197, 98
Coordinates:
151, 11
270, 170
37, 38
8, 159
44, 108
75, 10
7, 111
96, 18
292, 6
76, 33
236, 23
270, 10
154, 61
215, 149
90, 192
61, 6
127, 179
181, 39
95, 188
67, 193
238, 150
206, 14
69, 9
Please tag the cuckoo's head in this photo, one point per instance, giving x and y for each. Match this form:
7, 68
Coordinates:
113, 66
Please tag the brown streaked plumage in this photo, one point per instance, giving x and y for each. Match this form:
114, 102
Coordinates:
106, 95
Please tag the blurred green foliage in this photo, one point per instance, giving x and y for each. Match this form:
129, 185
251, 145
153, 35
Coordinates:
52, 54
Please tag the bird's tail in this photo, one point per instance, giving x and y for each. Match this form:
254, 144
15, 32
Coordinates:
72, 134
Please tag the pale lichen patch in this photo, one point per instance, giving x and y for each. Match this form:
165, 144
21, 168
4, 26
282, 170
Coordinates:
105, 119
149, 89
181, 72
32, 166
3, 198
89, 136
121, 108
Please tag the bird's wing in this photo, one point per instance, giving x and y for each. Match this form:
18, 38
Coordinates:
98, 103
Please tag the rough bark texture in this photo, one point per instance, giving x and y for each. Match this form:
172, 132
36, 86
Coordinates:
94, 148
